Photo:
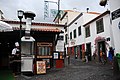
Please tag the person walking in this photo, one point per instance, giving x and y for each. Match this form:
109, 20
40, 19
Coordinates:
101, 57
111, 55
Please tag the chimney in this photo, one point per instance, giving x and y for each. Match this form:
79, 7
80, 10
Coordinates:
29, 16
87, 10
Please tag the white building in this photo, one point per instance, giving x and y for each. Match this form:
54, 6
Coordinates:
91, 31
98, 34
115, 16
74, 32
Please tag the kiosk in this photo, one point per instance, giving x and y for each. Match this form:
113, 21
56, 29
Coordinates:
27, 54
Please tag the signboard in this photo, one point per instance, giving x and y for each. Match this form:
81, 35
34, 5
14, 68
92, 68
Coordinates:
115, 14
41, 67
56, 55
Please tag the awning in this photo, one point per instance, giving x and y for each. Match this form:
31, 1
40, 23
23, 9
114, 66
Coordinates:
5, 27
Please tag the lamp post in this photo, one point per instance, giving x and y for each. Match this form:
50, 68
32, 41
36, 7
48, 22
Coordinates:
20, 16
103, 2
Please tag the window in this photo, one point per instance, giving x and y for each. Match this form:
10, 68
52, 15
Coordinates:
87, 31
70, 35
65, 29
74, 33
79, 30
66, 39
44, 50
100, 26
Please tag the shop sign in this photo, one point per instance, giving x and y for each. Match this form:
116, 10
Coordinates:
116, 14
41, 67
56, 55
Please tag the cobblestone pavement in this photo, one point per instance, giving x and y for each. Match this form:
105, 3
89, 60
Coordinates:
76, 70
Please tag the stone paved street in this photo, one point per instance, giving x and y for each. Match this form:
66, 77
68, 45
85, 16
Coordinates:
76, 70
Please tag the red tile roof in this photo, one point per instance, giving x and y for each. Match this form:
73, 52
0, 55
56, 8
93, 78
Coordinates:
41, 29
34, 23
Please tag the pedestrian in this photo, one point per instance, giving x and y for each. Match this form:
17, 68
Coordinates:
86, 56
111, 55
94, 55
16, 59
102, 57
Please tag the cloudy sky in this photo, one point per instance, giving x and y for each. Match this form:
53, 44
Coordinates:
10, 7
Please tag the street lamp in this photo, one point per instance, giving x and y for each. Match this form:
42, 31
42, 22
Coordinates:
20, 16
103, 2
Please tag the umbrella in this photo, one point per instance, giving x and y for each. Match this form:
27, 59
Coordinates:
5, 27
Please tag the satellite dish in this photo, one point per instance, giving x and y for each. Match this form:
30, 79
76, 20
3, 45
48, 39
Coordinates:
103, 2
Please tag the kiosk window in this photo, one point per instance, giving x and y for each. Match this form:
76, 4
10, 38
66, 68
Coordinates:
44, 50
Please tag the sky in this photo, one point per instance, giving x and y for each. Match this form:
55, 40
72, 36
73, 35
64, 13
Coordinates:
10, 7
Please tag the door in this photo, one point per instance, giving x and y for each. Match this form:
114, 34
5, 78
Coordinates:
80, 51
101, 46
88, 46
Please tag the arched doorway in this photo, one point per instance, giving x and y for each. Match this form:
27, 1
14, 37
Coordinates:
100, 44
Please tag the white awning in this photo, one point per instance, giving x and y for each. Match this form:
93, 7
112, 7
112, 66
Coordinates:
5, 27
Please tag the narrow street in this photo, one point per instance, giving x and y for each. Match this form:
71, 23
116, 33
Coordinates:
76, 70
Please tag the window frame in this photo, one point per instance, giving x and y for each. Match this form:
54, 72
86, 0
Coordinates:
79, 30
70, 35
99, 26
74, 32
87, 31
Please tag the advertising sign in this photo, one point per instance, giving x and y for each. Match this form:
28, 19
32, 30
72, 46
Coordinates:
41, 67
56, 55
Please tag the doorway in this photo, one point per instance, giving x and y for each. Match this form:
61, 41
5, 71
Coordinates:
80, 51
88, 47
101, 46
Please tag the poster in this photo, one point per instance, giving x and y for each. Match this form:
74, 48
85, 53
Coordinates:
41, 67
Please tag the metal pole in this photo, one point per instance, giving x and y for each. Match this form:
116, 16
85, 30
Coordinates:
20, 39
58, 10
20, 33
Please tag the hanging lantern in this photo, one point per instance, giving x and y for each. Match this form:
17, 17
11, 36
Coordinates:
103, 2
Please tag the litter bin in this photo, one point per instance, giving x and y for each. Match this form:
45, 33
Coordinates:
118, 59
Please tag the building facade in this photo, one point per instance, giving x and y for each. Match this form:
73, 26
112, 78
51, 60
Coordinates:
89, 31
75, 32
47, 40
115, 19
